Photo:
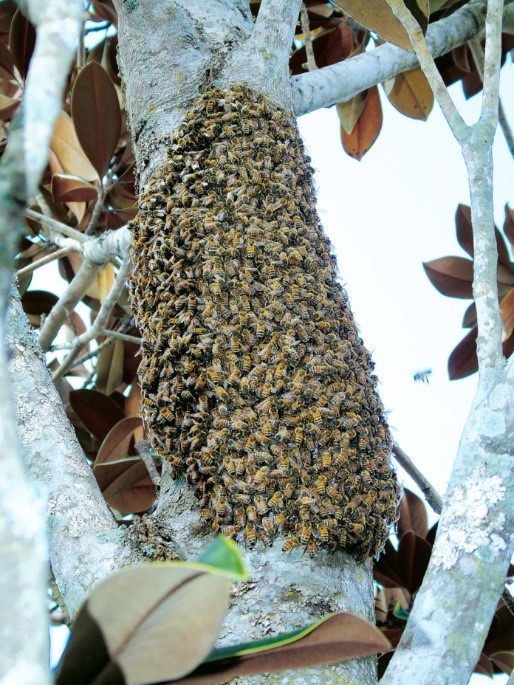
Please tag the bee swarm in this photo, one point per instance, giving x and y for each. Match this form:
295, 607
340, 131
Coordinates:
256, 385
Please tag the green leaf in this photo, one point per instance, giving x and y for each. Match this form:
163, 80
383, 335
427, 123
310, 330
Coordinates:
223, 554
334, 638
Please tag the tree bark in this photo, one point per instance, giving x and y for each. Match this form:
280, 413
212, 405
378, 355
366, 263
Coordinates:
285, 591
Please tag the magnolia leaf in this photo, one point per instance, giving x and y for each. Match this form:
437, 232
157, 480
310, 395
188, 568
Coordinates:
452, 276
350, 111
377, 16
504, 660
465, 240
70, 188
463, 360
413, 555
411, 94
70, 155
387, 570
149, 623
413, 514
125, 485
105, 281
366, 130
109, 368
96, 411
8, 106
507, 312
335, 638
96, 114
470, 316
22, 39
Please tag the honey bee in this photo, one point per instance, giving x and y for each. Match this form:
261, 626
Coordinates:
290, 544
206, 515
357, 528
320, 485
250, 535
268, 526
166, 414
305, 534
275, 502
332, 492
240, 516
298, 435
288, 490
221, 508
260, 504
366, 478
251, 513
241, 498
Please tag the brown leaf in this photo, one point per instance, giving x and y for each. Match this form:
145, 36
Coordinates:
387, 570
507, 312
452, 276
96, 114
465, 240
8, 107
350, 111
109, 368
22, 38
413, 554
37, 303
470, 316
484, 666
460, 57
69, 188
411, 94
463, 360
97, 412
125, 486
366, 131
341, 636
378, 17
146, 624
66, 148
504, 661
413, 514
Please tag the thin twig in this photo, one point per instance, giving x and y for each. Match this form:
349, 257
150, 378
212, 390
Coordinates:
427, 63
98, 209
67, 302
478, 57
45, 260
145, 451
121, 336
431, 494
309, 51
57, 226
100, 321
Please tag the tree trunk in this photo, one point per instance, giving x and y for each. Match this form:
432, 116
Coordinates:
172, 87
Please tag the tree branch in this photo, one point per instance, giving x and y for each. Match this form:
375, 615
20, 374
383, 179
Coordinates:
340, 82
100, 321
431, 495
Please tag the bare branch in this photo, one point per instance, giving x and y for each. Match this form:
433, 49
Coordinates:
431, 494
121, 336
100, 321
43, 261
67, 302
56, 226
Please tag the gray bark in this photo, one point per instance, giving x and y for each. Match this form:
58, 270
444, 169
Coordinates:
80, 525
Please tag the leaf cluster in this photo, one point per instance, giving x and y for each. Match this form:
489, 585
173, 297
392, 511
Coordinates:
453, 277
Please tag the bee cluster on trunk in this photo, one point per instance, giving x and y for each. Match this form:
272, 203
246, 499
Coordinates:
256, 385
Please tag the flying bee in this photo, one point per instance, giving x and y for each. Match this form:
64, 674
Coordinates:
290, 544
